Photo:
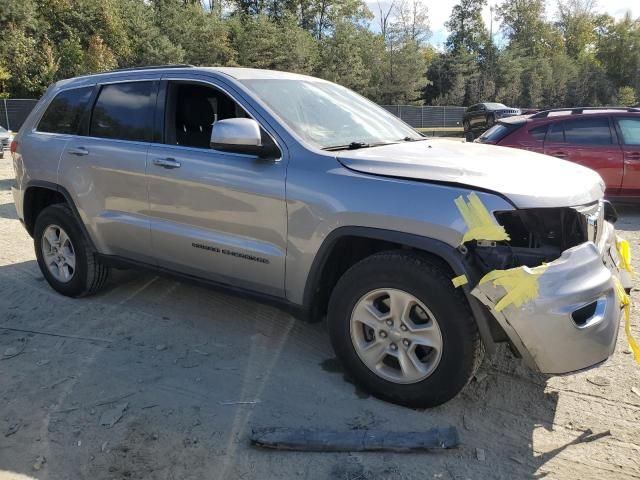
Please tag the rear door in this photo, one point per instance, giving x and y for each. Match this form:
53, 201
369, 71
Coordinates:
589, 141
478, 116
629, 130
45, 144
104, 169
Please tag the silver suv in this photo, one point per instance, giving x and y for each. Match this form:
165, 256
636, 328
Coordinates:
304, 193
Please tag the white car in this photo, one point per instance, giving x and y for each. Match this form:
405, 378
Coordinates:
5, 139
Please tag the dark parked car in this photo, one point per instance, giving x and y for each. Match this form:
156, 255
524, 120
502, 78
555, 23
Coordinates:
484, 115
606, 140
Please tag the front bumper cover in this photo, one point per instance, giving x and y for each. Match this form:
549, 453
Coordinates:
543, 329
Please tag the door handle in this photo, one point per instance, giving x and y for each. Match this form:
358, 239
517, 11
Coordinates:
166, 162
78, 151
632, 156
559, 154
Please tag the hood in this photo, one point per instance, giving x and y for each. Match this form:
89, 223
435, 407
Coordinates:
529, 180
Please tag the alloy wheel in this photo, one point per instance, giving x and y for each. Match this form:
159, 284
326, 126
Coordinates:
58, 253
396, 336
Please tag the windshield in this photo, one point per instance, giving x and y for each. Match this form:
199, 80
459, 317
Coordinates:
2, 129
495, 105
328, 115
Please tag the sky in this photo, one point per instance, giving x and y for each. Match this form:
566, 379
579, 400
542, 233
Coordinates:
440, 10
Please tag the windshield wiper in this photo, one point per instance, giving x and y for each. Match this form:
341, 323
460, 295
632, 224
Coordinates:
411, 139
355, 146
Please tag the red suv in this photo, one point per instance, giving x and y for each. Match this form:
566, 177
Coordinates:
606, 140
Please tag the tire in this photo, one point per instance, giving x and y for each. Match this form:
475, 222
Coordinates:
430, 285
88, 275
469, 136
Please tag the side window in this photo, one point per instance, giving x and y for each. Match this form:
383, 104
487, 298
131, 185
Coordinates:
538, 133
65, 111
191, 111
630, 128
123, 111
588, 131
556, 133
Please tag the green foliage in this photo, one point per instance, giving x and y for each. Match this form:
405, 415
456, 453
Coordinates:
468, 32
626, 96
579, 57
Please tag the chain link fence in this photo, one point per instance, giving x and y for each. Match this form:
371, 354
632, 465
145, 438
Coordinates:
428, 116
14, 111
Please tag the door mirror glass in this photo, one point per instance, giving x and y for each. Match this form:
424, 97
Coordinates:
237, 135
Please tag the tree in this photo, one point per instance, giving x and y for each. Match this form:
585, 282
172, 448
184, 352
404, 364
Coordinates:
99, 57
264, 43
468, 31
4, 76
577, 23
618, 49
411, 21
524, 24
626, 96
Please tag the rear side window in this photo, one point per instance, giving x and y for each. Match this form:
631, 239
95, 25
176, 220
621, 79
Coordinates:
65, 111
124, 111
630, 128
539, 133
556, 133
497, 133
587, 131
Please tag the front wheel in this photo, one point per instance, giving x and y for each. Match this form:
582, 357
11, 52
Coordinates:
402, 331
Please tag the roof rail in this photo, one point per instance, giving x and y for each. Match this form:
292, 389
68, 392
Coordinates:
579, 110
152, 67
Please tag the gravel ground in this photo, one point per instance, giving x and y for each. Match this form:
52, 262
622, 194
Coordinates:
140, 382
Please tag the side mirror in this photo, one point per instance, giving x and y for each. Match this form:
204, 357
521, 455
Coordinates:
239, 135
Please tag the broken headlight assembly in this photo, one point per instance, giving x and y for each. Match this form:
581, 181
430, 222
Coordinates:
538, 235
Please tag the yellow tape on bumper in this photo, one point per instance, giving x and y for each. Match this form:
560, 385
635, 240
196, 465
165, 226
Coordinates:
520, 283
625, 301
459, 281
479, 221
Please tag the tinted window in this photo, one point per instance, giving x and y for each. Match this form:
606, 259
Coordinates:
588, 131
497, 133
630, 128
539, 132
65, 111
123, 111
556, 133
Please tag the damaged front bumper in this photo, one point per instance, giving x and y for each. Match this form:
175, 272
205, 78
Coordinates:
572, 323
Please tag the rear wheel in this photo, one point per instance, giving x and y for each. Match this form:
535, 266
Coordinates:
402, 331
64, 255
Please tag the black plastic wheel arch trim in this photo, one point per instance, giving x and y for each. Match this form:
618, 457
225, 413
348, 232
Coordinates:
446, 252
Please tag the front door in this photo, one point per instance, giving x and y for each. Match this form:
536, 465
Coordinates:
217, 215
590, 142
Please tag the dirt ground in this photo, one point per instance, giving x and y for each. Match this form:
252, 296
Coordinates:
142, 382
